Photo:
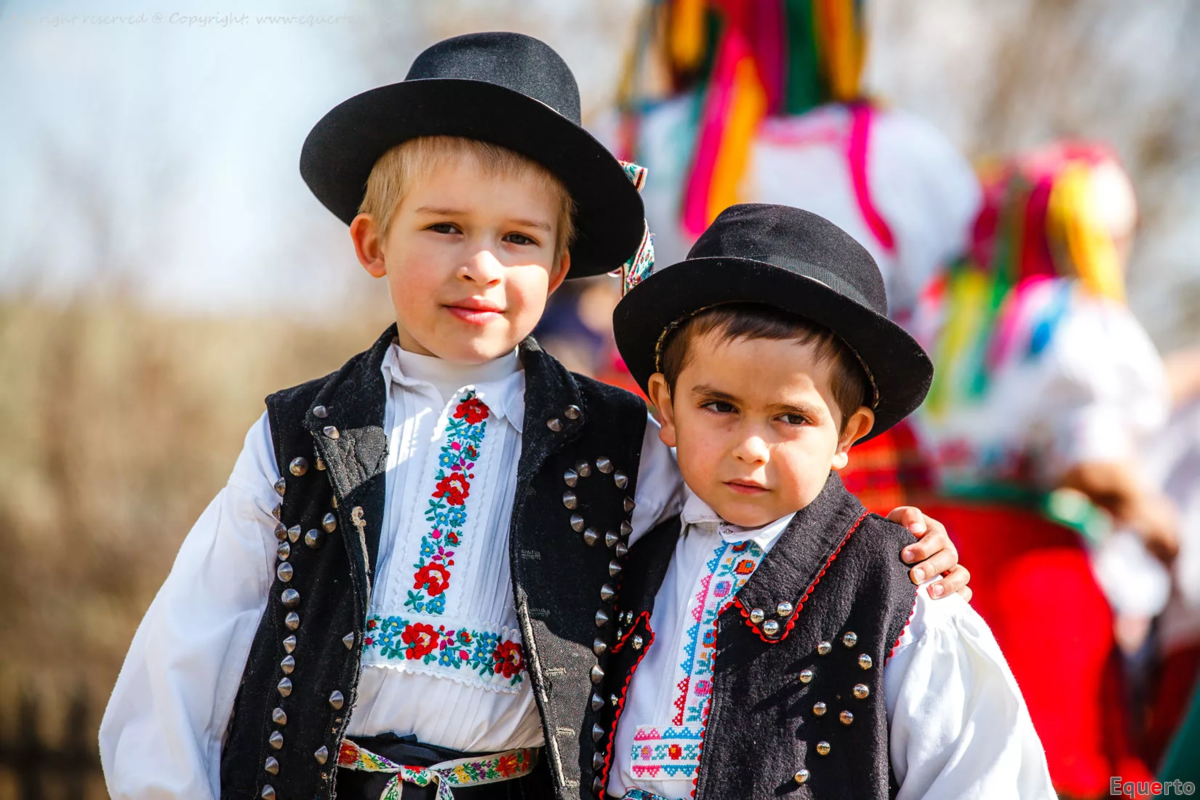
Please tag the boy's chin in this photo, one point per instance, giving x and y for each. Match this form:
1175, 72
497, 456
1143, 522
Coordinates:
473, 352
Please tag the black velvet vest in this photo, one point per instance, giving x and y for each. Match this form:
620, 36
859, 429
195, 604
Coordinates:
581, 447
797, 708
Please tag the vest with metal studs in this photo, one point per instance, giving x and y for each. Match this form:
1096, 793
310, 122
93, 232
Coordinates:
794, 700
568, 539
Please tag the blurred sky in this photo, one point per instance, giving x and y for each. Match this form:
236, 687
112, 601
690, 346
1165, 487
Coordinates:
155, 145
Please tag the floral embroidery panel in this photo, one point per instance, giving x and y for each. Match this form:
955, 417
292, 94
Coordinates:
493, 658
446, 514
672, 750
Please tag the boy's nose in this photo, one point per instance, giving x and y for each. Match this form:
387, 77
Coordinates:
482, 267
751, 449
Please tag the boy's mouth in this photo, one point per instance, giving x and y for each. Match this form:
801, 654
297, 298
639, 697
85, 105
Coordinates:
746, 487
475, 310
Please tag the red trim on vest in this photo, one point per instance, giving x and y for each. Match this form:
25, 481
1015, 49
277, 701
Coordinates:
612, 734
907, 622
856, 154
800, 605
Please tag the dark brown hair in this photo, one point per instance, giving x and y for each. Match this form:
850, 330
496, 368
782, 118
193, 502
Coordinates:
748, 321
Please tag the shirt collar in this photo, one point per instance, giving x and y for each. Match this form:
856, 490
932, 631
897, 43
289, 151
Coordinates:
699, 514
500, 383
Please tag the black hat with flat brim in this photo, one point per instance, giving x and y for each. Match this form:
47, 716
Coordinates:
790, 260
505, 88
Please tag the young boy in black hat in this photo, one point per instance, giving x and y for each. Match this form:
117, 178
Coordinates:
410, 576
771, 642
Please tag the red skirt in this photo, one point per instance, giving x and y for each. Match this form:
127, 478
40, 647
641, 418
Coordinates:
1034, 587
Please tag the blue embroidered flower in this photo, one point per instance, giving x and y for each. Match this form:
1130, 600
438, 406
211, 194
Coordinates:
456, 517
448, 460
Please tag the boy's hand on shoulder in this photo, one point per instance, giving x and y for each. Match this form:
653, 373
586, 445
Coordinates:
934, 554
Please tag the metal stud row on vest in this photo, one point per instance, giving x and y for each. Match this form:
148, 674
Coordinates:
861, 691
618, 542
571, 412
314, 539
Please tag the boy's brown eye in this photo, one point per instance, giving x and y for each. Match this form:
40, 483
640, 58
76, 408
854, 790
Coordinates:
520, 238
442, 227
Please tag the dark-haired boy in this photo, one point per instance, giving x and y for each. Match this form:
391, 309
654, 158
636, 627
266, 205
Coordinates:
783, 652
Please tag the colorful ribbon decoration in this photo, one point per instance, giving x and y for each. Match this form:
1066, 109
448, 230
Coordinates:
459, 772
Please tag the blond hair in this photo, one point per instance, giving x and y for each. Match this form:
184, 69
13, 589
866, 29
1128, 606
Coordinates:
400, 167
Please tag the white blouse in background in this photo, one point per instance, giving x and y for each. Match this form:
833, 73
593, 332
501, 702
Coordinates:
958, 726
164, 727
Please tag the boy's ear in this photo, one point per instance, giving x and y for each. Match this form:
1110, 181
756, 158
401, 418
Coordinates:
560, 275
660, 395
857, 426
367, 245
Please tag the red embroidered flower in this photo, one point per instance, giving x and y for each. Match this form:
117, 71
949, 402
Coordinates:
421, 640
509, 660
454, 487
744, 567
507, 765
371, 623
347, 754
473, 410
674, 751
434, 576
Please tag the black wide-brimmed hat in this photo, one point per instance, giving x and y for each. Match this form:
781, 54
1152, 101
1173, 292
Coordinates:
505, 88
791, 260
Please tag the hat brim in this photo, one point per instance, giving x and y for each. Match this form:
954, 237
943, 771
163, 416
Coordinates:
341, 149
899, 368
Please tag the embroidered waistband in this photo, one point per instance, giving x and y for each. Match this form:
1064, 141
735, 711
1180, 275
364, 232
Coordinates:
472, 771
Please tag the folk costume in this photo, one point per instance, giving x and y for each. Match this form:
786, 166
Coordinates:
732, 101
1041, 367
797, 659
408, 583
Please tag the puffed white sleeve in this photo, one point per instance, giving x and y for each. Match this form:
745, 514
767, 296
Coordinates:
164, 726
958, 726
659, 492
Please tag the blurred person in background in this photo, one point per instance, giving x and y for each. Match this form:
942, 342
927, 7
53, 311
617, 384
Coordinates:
1173, 461
1046, 382
728, 101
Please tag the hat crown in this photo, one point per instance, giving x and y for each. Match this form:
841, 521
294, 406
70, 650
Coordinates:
511, 60
799, 241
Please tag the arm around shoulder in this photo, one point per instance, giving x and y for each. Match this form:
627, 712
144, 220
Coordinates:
162, 731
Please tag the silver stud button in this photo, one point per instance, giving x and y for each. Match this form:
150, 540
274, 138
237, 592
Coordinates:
329, 523
861, 691
864, 661
757, 616
599, 646
570, 500
278, 717
293, 534
601, 618
320, 412
292, 620
290, 598
621, 550
806, 676
272, 766
822, 748
614, 568
823, 648
336, 700
280, 532
554, 424
784, 609
268, 792
597, 732
276, 740
330, 431
348, 640
637, 642
322, 754
611, 538
604, 465
285, 687
314, 539
283, 550
620, 479
298, 466
626, 528
289, 644
846, 717
577, 523
590, 537
771, 628
288, 664
607, 593
597, 701
284, 572
584, 469
571, 412
850, 638
629, 505
819, 709
571, 478
597, 674
281, 486
801, 777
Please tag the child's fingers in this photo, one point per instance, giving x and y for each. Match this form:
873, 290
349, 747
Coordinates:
939, 556
911, 518
955, 581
